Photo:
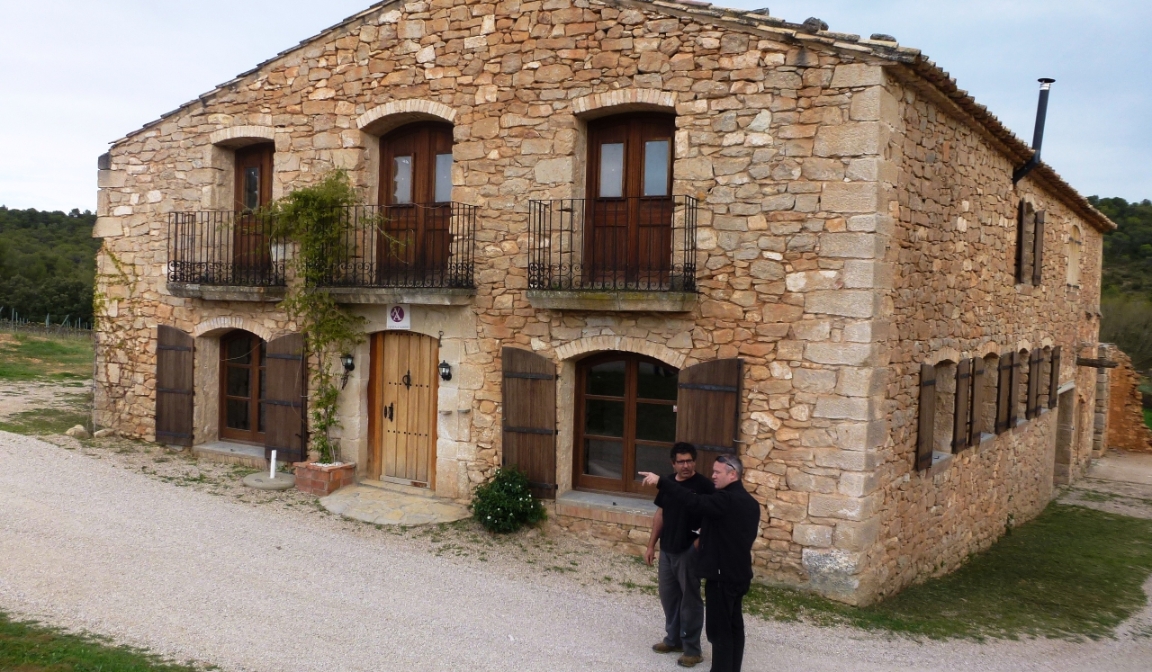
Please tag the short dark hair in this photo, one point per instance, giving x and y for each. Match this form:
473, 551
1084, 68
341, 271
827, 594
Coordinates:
681, 448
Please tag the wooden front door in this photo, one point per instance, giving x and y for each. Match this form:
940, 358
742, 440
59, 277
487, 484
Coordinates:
242, 375
402, 398
628, 237
253, 190
416, 190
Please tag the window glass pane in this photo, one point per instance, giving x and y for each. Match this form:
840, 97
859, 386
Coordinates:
653, 459
251, 188
656, 168
655, 422
402, 182
604, 418
612, 170
606, 379
603, 458
443, 178
238, 382
239, 351
237, 414
656, 381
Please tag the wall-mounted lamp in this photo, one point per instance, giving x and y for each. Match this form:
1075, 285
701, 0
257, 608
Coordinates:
349, 366
445, 370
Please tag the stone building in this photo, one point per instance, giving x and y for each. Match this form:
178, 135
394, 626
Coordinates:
625, 223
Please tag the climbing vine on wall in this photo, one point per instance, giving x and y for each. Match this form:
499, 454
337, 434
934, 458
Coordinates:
315, 218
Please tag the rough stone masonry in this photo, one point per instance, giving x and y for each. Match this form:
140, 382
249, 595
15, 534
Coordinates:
857, 219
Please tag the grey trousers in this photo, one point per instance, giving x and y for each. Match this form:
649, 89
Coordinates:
680, 597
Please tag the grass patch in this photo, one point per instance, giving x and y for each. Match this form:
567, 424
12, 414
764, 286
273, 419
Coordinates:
30, 357
45, 421
30, 647
1070, 573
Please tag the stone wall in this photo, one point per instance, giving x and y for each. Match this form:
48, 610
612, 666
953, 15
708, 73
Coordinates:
795, 145
1126, 427
953, 296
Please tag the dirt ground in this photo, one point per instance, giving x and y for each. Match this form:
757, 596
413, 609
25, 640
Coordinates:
21, 396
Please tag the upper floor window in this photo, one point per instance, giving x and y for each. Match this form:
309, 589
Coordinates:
1029, 244
1073, 254
628, 228
416, 165
253, 188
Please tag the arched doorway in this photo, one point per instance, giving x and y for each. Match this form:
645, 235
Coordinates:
402, 398
625, 420
243, 362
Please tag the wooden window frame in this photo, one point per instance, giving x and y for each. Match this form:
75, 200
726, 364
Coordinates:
260, 156
253, 435
625, 485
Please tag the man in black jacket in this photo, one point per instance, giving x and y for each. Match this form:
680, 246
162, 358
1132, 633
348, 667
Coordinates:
731, 522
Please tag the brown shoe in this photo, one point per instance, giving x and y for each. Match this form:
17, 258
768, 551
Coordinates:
665, 648
689, 661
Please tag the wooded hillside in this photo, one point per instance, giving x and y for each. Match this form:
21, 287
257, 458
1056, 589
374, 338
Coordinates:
1128, 250
47, 264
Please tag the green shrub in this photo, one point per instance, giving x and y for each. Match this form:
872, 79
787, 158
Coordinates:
505, 503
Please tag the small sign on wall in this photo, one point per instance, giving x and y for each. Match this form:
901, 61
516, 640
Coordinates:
399, 317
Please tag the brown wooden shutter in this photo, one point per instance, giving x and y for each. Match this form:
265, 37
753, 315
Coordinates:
961, 418
1021, 216
174, 388
1054, 377
708, 405
284, 393
1032, 403
1014, 390
927, 425
529, 432
1038, 250
1004, 392
978, 401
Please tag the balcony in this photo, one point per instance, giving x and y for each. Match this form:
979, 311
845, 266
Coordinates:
412, 253
613, 254
386, 254
229, 256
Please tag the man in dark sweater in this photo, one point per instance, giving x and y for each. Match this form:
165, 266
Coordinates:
731, 522
676, 528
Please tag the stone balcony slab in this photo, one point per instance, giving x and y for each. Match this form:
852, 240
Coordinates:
613, 301
419, 296
190, 290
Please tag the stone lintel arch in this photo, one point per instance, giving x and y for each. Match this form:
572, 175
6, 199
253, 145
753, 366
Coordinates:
595, 344
989, 348
393, 114
241, 136
597, 105
219, 325
945, 354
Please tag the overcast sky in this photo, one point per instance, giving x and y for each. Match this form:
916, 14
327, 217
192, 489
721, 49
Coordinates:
76, 75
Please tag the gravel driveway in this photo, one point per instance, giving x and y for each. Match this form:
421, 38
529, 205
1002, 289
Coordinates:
87, 545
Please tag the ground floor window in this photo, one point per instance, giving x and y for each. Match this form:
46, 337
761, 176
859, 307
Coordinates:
625, 420
242, 383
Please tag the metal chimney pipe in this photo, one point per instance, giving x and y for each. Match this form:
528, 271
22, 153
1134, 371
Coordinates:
1038, 133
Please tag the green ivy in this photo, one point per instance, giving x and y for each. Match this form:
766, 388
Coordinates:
315, 218
505, 503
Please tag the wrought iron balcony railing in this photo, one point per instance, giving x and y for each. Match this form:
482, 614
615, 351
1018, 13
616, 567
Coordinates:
402, 246
222, 248
415, 245
645, 244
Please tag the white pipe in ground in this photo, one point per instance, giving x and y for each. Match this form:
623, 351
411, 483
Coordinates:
272, 467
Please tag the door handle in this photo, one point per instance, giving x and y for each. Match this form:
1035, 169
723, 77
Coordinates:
407, 379
389, 412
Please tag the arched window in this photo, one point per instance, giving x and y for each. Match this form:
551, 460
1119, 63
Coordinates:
625, 420
415, 199
1073, 254
242, 376
628, 225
